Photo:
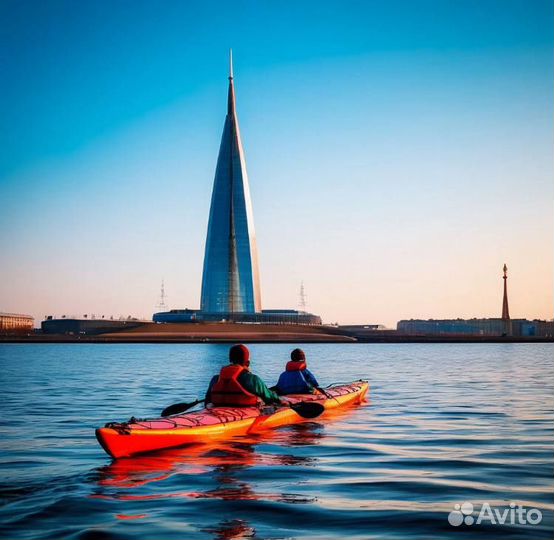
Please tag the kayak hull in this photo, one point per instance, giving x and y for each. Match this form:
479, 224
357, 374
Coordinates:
139, 436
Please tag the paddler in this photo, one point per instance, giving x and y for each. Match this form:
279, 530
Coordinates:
297, 378
236, 386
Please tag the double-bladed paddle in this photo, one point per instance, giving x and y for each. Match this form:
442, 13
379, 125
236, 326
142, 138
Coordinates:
180, 407
305, 409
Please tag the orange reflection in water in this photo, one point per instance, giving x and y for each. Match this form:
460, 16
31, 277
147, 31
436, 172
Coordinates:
225, 461
219, 457
234, 529
202, 458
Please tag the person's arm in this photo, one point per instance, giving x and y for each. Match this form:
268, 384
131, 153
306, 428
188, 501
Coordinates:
208, 398
310, 379
256, 386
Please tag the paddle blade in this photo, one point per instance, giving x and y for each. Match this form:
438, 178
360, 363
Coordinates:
179, 408
308, 409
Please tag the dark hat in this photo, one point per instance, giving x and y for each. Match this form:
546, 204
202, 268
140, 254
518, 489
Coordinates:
239, 354
297, 355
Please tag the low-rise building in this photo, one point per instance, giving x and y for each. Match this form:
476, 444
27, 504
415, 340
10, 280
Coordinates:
476, 327
86, 326
16, 323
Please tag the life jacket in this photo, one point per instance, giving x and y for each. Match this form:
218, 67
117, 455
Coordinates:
229, 392
295, 366
292, 380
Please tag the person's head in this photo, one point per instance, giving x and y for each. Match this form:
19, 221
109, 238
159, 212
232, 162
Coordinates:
240, 355
298, 355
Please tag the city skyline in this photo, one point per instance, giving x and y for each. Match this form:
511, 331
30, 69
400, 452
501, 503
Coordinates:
393, 171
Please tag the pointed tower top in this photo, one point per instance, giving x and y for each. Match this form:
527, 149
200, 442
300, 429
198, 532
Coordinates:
230, 63
231, 92
505, 269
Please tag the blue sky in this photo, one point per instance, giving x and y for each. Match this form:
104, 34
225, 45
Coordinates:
399, 152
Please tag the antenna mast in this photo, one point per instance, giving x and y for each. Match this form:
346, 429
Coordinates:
302, 299
162, 306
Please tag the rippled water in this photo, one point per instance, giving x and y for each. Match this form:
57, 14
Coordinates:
444, 424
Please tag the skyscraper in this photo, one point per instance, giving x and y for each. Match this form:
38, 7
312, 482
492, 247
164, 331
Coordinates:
230, 279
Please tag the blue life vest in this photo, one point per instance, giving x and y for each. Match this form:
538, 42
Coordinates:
292, 381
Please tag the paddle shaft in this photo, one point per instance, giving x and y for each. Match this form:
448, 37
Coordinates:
180, 408
305, 409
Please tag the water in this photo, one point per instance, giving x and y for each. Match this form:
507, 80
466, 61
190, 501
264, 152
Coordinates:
444, 424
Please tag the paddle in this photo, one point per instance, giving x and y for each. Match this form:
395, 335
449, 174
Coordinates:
305, 409
180, 407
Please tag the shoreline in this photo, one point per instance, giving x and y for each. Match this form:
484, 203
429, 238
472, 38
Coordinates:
323, 339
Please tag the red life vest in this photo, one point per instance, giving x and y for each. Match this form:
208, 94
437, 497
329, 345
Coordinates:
227, 391
295, 366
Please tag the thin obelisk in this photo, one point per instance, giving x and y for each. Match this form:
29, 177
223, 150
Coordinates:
505, 309
230, 280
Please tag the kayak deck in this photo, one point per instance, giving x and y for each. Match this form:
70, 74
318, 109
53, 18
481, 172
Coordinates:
138, 436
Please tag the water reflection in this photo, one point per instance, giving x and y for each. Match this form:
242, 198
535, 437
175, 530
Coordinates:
235, 529
225, 461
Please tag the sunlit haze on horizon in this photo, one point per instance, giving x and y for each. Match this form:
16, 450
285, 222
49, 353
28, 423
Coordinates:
398, 153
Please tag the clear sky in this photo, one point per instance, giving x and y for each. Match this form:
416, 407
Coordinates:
399, 152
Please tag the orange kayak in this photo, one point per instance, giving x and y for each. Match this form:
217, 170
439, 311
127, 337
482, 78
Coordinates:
127, 439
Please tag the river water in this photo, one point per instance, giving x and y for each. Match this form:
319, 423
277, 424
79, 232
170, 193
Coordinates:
444, 425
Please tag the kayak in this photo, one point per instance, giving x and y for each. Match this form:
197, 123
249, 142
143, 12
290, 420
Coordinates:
138, 436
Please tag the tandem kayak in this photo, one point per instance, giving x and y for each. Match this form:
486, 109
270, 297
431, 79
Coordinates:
138, 436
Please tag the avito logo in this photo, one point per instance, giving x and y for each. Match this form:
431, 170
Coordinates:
512, 515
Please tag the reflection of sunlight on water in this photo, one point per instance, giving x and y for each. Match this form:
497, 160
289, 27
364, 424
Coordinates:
225, 461
222, 458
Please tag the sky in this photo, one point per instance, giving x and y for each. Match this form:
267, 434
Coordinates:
399, 153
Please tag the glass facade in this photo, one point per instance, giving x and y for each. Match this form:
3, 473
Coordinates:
230, 279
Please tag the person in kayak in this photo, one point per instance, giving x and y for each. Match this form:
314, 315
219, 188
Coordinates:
297, 378
236, 386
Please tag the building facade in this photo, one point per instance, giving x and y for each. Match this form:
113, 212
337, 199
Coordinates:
86, 326
15, 323
266, 316
476, 327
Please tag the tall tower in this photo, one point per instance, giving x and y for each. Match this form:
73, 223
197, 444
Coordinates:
230, 280
505, 310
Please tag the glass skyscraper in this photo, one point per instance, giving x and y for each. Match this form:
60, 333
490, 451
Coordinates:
230, 279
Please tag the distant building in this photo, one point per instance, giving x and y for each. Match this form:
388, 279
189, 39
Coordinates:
504, 326
475, 327
230, 281
86, 326
230, 277
15, 323
266, 316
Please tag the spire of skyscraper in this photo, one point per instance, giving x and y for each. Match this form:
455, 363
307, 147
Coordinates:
505, 310
230, 63
230, 280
